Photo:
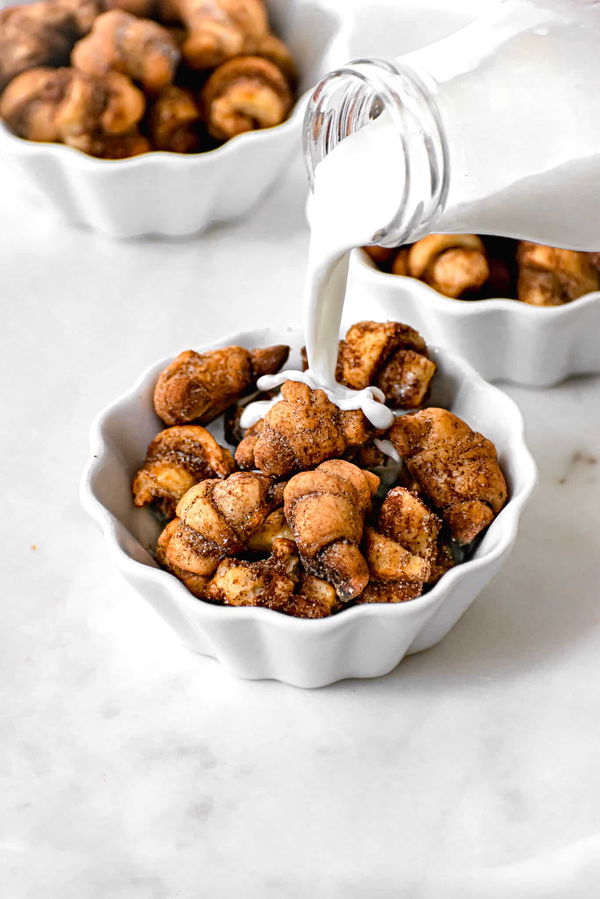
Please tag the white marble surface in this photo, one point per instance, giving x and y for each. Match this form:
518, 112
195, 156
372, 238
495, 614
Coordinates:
131, 769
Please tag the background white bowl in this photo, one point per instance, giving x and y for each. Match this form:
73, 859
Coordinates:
503, 339
365, 641
174, 194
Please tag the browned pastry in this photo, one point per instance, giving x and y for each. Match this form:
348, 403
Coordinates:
178, 458
400, 263
442, 562
113, 146
42, 34
453, 264
301, 430
400, 551
269, 583
381, 256
388, 355
456, 468
67, 105
273, 528
244, 453
139, 48
549, 276
216, 519
199, 386
272, 48
244, 94
220, 29
274, 583
173, 121
325, 509
198, 570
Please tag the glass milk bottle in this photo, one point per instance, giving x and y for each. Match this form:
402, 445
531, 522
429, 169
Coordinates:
494, 130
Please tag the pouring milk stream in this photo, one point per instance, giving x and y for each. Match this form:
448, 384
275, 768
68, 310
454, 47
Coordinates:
495, 129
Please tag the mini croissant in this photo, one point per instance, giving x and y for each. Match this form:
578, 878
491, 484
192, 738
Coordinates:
400, 550
244, 94
301, 430
325, 509
455, 468
178, 458
216, 519
388, 355
139, 48
199, 386
453, 264
549, 276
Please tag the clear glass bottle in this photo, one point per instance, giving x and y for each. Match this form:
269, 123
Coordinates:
499, 125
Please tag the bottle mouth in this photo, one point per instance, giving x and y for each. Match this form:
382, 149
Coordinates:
356, 94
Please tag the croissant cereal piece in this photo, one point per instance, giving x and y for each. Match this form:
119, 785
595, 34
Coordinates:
220, 29
301, 430
549, 276
178, 458
199, 386
216, 519
406, 519
69, 106
325, 509
138, 48
456, 469
112, 146
388, 355
41, 34
269, 583
453, 264
401, 550
244, 94
272, 48
195, 580
173, 121
244, 453
273, 528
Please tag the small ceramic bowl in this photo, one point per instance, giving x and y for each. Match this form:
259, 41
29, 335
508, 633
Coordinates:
503, 339
364, 641
174, 194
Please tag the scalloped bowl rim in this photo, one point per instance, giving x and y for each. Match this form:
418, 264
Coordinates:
110, 524
157, 156
459, 307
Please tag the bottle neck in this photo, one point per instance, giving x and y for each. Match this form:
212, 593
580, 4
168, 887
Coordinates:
348, 99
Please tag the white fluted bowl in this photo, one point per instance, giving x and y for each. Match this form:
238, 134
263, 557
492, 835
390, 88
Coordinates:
364, 641
503, 339
174, 194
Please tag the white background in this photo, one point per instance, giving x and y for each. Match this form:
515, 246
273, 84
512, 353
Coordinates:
134, 770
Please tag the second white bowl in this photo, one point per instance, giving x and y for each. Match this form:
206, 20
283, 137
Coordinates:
503, 339
364, 641
174, 194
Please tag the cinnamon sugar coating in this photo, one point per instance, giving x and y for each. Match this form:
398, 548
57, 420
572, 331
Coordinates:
456, 469
388, 355
176, 459
301, 430
549, 276
199, 386
325, 509
400, 550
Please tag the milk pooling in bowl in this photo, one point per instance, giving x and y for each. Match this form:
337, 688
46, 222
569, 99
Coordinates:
495, 129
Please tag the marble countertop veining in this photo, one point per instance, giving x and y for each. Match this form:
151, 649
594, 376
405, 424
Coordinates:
132, 769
